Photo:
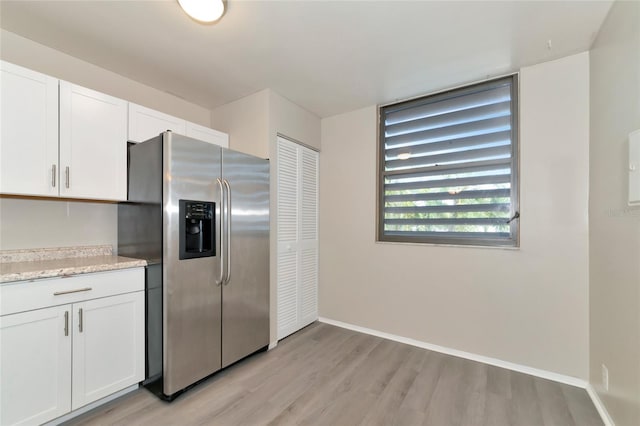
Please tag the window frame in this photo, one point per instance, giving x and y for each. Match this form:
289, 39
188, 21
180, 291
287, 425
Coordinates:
513, 241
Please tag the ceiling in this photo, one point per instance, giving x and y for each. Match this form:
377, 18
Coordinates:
327, 56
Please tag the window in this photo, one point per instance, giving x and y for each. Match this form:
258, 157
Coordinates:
448, 167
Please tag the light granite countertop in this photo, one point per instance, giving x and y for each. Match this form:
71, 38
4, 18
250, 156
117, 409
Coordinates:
31, 264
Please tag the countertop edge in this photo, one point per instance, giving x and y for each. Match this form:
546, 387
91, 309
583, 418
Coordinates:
73, 270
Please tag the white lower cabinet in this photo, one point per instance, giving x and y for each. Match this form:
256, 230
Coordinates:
35, 373
108, 346
60, 358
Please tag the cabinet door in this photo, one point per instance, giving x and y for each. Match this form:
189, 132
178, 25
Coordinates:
35, 366
145, 123
206, 134
29, 132
108, 346
93, 144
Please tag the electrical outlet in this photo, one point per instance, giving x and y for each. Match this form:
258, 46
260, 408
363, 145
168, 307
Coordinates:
605, 377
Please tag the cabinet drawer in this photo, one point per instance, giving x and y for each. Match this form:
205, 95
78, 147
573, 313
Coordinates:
27, 295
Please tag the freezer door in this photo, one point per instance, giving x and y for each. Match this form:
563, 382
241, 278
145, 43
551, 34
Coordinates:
245, 294
191, 297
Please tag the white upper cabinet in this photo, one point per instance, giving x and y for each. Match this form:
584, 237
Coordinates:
93, 150
29, 132
206, 134
145, 123
59, 139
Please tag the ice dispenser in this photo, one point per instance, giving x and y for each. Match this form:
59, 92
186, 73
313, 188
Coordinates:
197, 229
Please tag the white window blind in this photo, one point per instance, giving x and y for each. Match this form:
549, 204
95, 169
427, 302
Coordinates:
448, 167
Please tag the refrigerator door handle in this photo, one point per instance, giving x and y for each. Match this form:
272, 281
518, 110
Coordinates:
228, 234
220, 279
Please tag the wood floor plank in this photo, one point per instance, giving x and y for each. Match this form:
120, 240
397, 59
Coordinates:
369, 376
555, 411
421, 391
329, 376
525, 406
390, 398
475, 387
287, 385
496, 410
499, 381
327, 384
409, 417
582, 409
459, 394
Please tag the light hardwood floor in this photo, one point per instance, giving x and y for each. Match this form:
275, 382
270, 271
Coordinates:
325, 375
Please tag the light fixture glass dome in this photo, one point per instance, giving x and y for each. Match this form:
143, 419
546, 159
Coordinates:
203, 10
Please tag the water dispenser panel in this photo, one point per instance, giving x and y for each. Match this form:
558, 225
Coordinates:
197, 229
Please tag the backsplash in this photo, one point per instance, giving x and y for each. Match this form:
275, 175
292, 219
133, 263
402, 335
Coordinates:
31, 223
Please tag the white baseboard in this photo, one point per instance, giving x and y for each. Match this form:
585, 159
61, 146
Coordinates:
272, 345
602, 410
561, 378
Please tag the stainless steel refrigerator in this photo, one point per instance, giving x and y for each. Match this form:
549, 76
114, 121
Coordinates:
199, 215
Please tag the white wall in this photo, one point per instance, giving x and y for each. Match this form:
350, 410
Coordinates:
35, 56
52, 223
254, 122
527, 306
291, 120
247, 123
615, 227
27, 223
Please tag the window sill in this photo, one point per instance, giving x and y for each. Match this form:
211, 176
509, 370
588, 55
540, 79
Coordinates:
464, 246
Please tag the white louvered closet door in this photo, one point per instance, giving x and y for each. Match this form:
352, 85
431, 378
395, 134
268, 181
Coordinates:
297, 233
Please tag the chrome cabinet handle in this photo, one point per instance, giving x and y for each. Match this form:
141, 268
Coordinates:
228, 236
80, 325
53, 175
66, 323
220, 279
66, 176
59, 293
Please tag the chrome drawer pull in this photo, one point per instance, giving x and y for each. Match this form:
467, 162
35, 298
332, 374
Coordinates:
59, 293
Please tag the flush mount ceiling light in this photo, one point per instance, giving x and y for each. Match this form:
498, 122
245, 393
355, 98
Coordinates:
203, 10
